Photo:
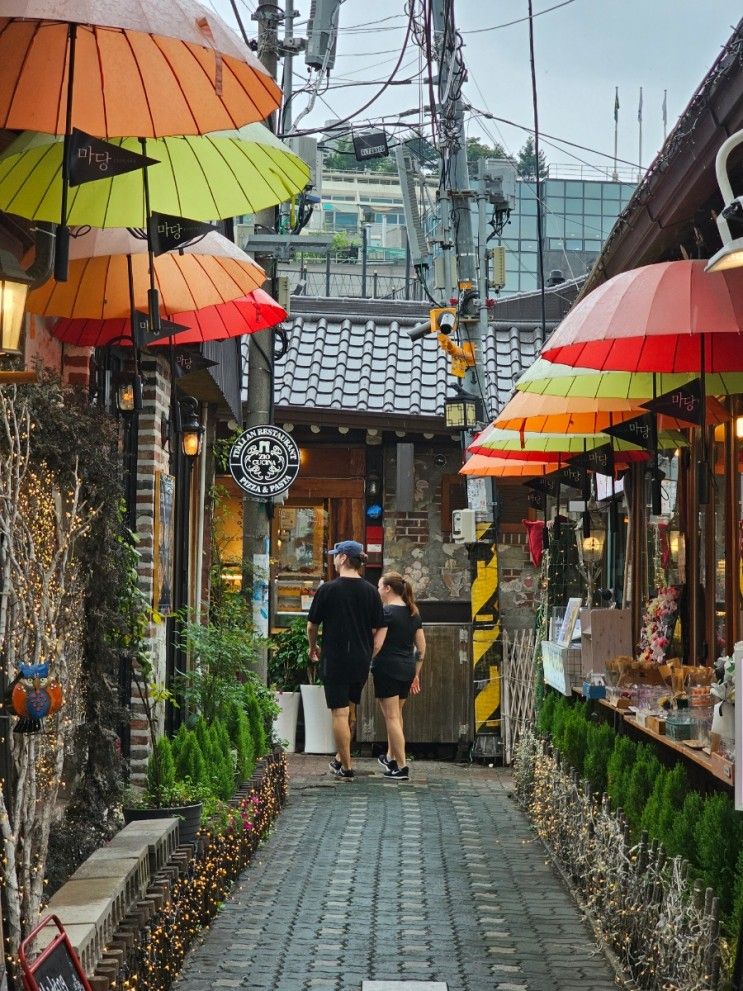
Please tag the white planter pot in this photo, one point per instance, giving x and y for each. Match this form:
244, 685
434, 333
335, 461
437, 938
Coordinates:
285, 724
318, 722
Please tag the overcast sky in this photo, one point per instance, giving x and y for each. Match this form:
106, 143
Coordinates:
583, 49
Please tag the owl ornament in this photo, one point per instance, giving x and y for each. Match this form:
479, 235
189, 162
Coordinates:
33, 697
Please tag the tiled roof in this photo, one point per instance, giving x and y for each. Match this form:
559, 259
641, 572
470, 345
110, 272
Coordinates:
355, 355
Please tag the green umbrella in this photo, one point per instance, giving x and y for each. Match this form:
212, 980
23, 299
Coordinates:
548, 379
525, 445
207, 177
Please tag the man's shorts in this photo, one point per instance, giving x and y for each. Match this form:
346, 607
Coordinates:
386, 687
339, 693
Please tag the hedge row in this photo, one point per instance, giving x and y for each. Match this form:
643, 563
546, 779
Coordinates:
703, 829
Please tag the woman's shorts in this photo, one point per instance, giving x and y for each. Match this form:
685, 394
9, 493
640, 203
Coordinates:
386, 687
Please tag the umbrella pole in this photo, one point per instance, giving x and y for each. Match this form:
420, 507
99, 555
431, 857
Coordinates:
655, 490
62, 253
702, 466
153, 297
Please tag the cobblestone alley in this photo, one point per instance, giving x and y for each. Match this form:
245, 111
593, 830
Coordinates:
438, 879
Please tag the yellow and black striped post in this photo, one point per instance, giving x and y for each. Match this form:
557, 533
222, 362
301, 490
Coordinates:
486, 632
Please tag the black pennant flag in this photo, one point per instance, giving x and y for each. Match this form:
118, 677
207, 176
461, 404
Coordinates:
684, 402
187, 361
535, 500
598, 459
168, 232
91, 158
144, 336
547, 486
640, 430
573, 476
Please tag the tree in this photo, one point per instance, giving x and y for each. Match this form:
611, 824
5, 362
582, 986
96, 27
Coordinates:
477, 150
526, 164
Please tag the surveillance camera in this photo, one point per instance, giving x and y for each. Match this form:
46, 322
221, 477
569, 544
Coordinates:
447, 323
420, 330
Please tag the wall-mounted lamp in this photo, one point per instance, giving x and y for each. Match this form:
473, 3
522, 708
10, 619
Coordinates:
192, 429
15, 283
739, 427
129, 394
462, 410
590, 538
730, 254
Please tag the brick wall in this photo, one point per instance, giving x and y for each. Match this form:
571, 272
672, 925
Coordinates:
518, 578
152, 456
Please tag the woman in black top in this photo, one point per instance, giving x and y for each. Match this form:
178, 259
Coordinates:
396, 668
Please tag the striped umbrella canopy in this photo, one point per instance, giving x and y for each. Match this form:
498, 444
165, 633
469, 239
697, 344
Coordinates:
531, 413
546, 378
478, 465
206, 177
109, 276
560, 447
254, 312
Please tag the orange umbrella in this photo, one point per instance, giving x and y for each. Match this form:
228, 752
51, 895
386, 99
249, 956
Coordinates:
257, 311
143, 68
530, 413
109, 276
480, 465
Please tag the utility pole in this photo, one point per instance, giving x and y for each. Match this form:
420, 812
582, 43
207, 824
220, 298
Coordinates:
458, 202
257, 516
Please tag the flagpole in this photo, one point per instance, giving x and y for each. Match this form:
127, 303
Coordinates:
639, 122
615, 174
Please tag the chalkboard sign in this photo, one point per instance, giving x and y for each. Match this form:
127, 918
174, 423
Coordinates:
57, 967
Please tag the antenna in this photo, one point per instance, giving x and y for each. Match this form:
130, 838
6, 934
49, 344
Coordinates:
322, 34
414, 228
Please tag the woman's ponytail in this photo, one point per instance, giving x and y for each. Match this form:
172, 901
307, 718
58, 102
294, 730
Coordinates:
402, 587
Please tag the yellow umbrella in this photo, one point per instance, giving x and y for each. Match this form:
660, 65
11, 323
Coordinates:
207, 177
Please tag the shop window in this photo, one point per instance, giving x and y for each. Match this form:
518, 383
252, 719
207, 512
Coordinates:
300, 542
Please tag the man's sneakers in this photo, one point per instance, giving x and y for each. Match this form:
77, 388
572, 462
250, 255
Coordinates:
342, 772
383, 761
397, 773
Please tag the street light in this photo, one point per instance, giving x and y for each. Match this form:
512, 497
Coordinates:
462, 411
730, 254
192, 429
590, 537
129, 394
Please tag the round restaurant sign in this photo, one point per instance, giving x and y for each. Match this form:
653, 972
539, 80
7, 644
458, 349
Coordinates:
264, 461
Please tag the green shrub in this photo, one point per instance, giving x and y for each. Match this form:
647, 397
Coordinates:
650, 819
223, 775
161, 772
643, 773
562, 708
600, 745
736, 919
717, 835
242, 740
546, 713
675, 790
575, 738
189, 760
256, 719
618, 770
681, 838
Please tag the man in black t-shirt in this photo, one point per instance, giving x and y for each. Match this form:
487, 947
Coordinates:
349, 610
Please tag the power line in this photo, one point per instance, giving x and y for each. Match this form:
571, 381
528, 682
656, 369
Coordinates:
520, 20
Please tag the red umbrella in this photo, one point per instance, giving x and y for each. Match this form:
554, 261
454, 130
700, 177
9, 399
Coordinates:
256, 311
670, 317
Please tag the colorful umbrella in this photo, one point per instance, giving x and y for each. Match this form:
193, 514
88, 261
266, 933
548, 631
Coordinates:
130, 67
109, 276
479, 465
254, 312
669, 317
207, 177
546, 378
560, 447
555, 414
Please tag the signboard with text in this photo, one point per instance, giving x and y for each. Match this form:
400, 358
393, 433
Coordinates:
264, 461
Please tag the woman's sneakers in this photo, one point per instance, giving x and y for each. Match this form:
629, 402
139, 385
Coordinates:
398, 773
383, 761
339, 770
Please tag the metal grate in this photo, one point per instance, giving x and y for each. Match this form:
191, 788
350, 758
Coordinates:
518, 682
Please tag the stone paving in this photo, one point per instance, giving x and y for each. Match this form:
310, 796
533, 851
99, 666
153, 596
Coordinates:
438, 879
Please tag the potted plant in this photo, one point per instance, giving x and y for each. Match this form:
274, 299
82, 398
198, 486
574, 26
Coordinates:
284, 674
162, 797
318, 723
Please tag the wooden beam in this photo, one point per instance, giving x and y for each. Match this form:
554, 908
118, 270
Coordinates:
17, 378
